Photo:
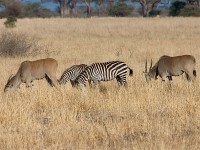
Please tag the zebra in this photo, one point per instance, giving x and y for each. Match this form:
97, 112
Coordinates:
105, 72
71, 74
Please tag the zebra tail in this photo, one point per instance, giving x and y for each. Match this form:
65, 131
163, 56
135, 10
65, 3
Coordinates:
194, 73
130, 71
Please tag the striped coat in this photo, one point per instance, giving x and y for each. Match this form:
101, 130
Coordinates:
105, 72
71, 74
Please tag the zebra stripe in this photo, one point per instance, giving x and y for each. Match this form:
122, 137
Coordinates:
71, 74
105, 72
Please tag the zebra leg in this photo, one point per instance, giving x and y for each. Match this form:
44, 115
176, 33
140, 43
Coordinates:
122, 80
95, 83
72, 83
119, 80
90, 83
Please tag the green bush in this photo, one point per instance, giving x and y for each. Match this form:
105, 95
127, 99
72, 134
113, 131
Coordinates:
10, 22
190, 10
176, 7
120, 9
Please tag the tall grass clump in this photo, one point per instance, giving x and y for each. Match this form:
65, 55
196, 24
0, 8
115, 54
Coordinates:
15, 44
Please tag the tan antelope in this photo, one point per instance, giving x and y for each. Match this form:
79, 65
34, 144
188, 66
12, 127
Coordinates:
34, 70
167, 66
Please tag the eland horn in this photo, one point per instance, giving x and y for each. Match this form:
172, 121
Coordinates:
150, 66
145, 66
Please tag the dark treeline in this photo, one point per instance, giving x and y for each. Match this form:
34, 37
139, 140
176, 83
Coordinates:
88, 8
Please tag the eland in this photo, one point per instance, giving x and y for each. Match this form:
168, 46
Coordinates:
34, 70
167, 66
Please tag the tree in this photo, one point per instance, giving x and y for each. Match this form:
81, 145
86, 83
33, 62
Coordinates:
88, 5
5, 3
63, 4
176, 7
99, 3
194, 2
190, 10
12, 8
147, 6
120, 9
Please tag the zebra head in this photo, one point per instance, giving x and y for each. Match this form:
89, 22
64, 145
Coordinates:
83, 77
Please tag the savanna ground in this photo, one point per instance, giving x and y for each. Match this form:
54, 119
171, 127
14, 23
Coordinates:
145, 116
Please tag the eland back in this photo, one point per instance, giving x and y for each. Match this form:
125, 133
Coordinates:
167, 66
34, 70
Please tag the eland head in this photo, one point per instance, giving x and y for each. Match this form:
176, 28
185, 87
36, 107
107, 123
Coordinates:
11, 82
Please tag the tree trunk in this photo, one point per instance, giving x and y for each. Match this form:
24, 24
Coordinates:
88, 8
145, 10
62, 7
198, 1
88, 11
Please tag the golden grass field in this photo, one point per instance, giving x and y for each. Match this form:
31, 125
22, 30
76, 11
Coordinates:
145, 116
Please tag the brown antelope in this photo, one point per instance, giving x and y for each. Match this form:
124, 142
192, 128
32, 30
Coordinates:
167, 66
34, 70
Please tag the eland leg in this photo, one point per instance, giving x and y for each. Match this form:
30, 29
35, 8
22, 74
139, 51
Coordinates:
28, 83
53, 80
170, 81
190, 76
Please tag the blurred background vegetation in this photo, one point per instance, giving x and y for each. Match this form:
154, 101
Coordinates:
88, 8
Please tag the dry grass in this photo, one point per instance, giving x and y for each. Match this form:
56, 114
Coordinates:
146, 116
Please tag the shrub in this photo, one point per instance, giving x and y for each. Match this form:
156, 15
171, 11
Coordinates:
176, 8
10, 22
154, 13
190, 10
18, 44
120, 9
